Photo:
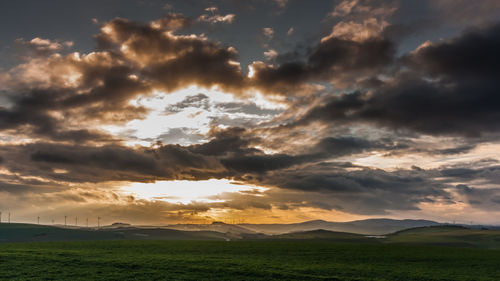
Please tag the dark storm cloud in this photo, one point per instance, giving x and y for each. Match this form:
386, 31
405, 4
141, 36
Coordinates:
489, 174
98, 164
82, 164
231, 141
456, 150
260, 163
473, 55
362, 190
351, 188
111, 96
364, 40
230, 153
333, 56
32, 110
460, 96
264, 163
340, 146
484, 198
236, 150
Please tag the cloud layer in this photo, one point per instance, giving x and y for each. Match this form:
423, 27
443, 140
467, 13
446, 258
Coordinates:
355, 122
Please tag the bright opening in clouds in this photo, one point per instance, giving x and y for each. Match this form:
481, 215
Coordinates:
185, 192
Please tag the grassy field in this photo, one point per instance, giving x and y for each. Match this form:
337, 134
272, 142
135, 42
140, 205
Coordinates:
243, 260
448, 236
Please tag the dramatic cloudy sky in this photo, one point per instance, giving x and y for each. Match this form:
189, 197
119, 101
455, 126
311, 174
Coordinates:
156, 112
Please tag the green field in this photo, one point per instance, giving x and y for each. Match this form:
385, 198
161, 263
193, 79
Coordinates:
454, 253
243, 260
448, 236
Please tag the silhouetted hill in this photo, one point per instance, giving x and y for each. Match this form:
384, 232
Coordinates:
17, 232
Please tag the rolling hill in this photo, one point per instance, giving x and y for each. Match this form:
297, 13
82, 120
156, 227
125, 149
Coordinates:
322, 234
367, 227
448, 235
17, 232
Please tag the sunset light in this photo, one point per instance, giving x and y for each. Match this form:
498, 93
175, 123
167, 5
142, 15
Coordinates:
185, 192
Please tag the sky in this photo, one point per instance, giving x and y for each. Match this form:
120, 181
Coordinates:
279, 111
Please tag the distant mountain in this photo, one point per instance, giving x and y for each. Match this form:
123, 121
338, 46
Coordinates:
367, 227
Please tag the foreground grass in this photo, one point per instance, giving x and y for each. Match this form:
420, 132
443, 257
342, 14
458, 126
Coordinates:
243, 260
